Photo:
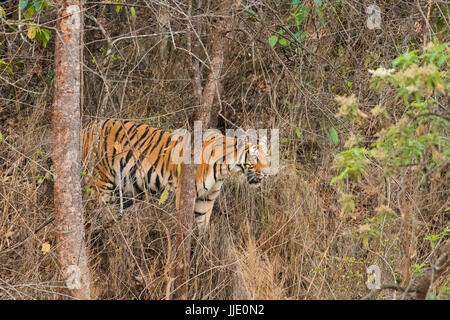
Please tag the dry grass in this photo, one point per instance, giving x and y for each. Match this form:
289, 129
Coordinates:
283, 241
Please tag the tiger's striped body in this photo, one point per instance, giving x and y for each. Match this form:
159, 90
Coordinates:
133, 159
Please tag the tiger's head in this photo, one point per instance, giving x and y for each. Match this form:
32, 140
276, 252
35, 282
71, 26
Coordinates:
255, 166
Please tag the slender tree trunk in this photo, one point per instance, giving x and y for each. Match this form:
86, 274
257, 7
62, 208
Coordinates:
71, 247
186, 192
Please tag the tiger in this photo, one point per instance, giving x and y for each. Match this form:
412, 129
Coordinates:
132, 158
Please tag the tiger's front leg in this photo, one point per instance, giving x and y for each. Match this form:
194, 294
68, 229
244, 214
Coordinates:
204, 205
202, 210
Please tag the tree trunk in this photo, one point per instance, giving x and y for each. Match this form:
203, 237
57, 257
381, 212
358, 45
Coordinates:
186, 188
71, 247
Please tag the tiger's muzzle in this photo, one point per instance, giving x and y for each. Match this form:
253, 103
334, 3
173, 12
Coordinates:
254, 178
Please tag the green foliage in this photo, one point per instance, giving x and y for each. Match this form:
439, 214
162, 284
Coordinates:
133, 12
371, 230
33, 6
41, 178
35, 32
119, 7
419, 78
1, 137
406, 59
253, 16
433, 238
39, 34
333, 136
5, 66
367, 232
164, 196
299, 15
444, 294
419, 137
347, 203
39, 154
417, 269
351, 164
371, 58
384, 214
348, 107
298, 133
23, 4
87, 190
292, 32
273, 40
178, 169
319, 8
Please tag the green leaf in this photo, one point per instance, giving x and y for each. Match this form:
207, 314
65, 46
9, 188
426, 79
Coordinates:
38, 5
284, 140
295, 3
2, 11
23, 4
442, 60
301, 16
343, 175
298, 133
164, 196
253, 16
6, 66
42, 35
87, 190
406, 59
332, 135
46, 33
300, 35
349, 84
273, 41
133, 12
283, 41
29, 13
1, 137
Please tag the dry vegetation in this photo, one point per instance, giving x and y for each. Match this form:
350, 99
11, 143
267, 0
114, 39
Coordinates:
285, 240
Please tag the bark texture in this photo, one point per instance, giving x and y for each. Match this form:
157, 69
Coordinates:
66, 121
